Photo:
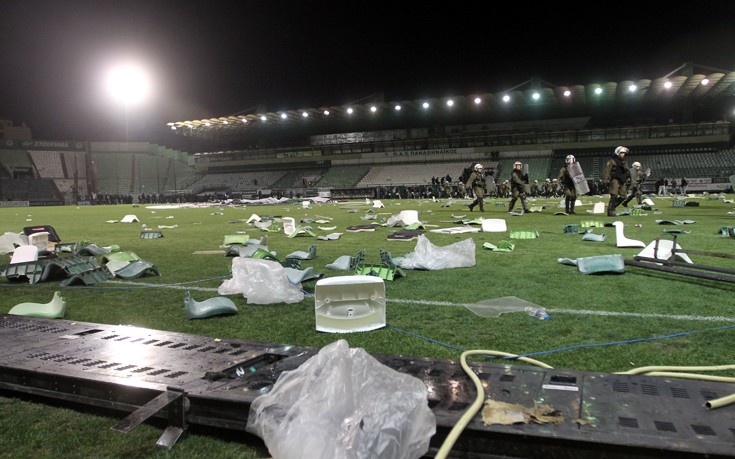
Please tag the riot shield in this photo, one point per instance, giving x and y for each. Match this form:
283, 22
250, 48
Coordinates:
580, 183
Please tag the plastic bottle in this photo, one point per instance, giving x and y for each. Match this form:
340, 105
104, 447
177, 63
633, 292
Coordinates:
539, 313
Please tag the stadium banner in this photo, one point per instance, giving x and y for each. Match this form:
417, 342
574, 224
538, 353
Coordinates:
55, 145
297, 154
14, 204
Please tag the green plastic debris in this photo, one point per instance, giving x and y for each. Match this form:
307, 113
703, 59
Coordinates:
54, 309
212, 307
524, 234
239, 239
503, 246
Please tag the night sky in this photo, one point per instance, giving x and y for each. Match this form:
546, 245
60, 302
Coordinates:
218, 58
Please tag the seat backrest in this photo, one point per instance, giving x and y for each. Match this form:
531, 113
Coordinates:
24, 253
40, 240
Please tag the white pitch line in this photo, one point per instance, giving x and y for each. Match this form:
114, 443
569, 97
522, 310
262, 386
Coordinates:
591, 313
583, 312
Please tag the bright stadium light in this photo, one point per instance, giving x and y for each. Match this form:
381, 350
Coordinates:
128, 83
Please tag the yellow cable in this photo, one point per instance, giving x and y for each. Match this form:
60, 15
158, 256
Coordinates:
640, 370
479, 399
673, 374
665, 371
720, 402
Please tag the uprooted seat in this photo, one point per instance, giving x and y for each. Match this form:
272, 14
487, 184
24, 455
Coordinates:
211, 307
54, 309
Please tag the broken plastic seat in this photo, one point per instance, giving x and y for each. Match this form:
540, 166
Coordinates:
571, 229
30, 270
597, 208
346, 262
211, 307
663, 249
24, 254
240, 239
54, 309
147, 234
621, 240
503, 246
135, 269
289, 225
405, 235
129, 219
302, 230
302, 255
296, 276
91, 250
494, 225
590, 236
52, 235
39, 239
382, 271
348, 304
329, 237
524, 234
120, 256
91, 277
597, 264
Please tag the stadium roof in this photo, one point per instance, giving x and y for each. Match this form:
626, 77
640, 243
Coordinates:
689, 93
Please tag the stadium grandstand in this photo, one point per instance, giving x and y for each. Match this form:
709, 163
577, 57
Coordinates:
678, 125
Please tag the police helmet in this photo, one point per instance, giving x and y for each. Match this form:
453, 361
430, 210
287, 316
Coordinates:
621, 150
478, 167
517, 163
637, 165
570, 159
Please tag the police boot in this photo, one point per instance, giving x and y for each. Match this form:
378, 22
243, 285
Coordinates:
482, 206
572, 202
523, 203
472, 205
511, 205
566, 205
627, 200
611, 207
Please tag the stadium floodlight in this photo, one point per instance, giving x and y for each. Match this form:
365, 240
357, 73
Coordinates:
536, 96
425, 105
567, 93
283, 116
128, 83
450, 103
326, 112
668, 85
305, 114
397, 108
506, 98
478, 101
598, 90
373, 109
705, 82
632, 88
263, 117
349, 111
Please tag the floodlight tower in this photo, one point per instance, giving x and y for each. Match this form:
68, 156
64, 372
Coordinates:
128, 84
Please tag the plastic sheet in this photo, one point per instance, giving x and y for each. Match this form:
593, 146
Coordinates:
260, 282
342, 403
429, 256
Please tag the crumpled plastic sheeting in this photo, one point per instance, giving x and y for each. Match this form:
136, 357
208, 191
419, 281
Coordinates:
342, 403
260, 282
429, 256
